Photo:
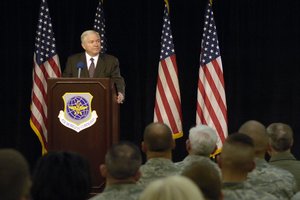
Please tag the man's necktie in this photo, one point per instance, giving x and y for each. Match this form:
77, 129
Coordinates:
92, 68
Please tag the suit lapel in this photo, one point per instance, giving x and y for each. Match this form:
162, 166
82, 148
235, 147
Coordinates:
84, 72
99, 67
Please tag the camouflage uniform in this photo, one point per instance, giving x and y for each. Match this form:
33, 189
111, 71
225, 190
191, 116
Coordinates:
243, 191
287, 161
130, 191
190, 159
296, 196
156, 168
273, 180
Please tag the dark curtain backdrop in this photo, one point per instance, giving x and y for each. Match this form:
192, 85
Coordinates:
258, 39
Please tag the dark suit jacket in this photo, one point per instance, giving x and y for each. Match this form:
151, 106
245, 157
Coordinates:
107, 66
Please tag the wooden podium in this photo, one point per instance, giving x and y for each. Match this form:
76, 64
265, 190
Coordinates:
93, 141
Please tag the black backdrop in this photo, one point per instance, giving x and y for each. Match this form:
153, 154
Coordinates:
259, 47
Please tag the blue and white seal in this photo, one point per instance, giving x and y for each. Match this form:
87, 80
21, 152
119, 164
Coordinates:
77, 114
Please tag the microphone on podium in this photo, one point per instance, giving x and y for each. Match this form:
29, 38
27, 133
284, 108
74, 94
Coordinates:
79, 66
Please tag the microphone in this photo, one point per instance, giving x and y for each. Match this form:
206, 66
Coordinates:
79, 66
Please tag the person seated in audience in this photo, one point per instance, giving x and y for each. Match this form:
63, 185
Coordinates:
121, 170
158, 144
266, 177
236, 161
281, 141
296, 196
61, 175
206, 177
15, 180
172, 188
202, 142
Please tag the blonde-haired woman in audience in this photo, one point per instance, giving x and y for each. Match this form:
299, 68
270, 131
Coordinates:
172, 188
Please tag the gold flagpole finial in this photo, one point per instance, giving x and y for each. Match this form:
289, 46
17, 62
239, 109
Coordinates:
211, 1
167, 4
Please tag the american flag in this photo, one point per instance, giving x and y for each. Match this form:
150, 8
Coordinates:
168, 104
211, 101
99, 25
46, 65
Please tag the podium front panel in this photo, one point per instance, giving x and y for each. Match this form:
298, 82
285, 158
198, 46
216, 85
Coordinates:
93, 141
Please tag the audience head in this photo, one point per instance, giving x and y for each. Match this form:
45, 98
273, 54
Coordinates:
122, 162
158, 138
91, 42
206, 177
237, 154
257, 132
202, 140
61, 176
15, 180
281, 136
172, 188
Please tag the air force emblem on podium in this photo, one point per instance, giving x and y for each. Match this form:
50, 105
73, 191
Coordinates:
77, 113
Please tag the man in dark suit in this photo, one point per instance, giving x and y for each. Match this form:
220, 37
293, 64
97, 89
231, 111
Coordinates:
95, 64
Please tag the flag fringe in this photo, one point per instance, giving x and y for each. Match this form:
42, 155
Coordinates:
44, 150
177, 135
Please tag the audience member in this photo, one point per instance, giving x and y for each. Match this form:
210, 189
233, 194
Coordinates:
201, 144
157, 145
296, 196
281, 142
15, 180
236, 161
61, 176
206, 177
121, 170
172, 188
266, 177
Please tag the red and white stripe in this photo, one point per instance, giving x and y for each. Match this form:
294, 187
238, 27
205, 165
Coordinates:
38, 118
168, 104
211, 101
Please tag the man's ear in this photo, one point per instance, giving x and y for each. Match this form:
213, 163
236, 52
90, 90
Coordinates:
144, 147
219, 161
82, 45
188, 145
270, 149
103, 170
292, 143
138, 175
173, 144
251, 166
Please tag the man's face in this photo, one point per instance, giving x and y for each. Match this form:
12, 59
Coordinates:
91, 44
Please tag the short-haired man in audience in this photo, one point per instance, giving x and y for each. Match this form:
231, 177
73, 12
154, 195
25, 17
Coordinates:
121, 170
266, 177
206, 177
236, 161
15, 181
281, 142
158, 144
201, 144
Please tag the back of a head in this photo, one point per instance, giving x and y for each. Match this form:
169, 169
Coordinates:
203, 140
172, 188
14, 175
206, 177
281, 136
123, 160
61, 176
158, 137
237, 153
257, 132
